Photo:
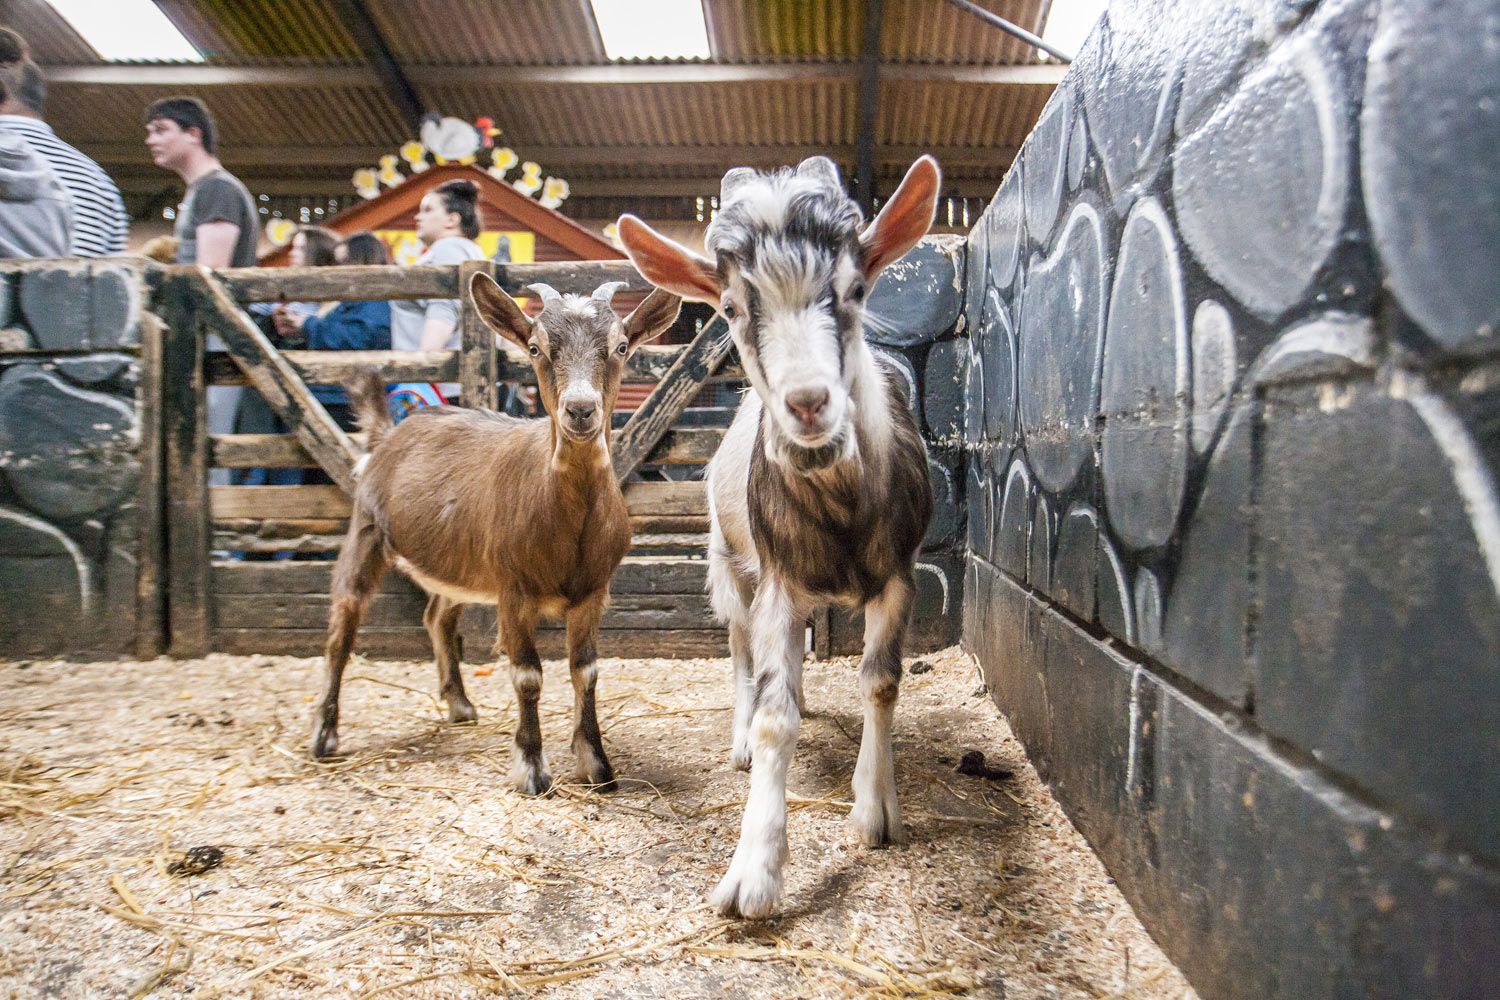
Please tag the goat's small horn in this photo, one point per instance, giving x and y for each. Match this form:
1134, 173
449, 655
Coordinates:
547, 293
821, 168
606, 292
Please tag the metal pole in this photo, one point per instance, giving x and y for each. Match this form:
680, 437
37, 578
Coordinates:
1011, 29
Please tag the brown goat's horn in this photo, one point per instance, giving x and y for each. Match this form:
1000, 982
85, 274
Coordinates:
547, 293
606, 292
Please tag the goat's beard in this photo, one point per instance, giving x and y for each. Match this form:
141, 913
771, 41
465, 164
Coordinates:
812, 459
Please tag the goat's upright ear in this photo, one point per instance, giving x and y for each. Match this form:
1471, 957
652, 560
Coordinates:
651, 318
904, 219
499, 311
667, 264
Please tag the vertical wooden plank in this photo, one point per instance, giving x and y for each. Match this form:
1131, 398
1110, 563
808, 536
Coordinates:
478, 366
151, 554
185, 434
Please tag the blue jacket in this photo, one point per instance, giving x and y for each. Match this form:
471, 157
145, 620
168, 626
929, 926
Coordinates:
349, 326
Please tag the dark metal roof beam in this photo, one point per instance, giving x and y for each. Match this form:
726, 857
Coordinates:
869, 103
559, 158
199, 75
356, 20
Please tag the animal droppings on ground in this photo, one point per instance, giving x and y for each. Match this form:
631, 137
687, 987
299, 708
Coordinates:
972, 764
408, 870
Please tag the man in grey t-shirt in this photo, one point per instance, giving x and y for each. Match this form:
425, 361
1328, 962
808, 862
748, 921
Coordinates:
216, 222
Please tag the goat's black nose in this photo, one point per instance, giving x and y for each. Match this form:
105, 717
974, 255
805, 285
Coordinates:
580, 413
806, 404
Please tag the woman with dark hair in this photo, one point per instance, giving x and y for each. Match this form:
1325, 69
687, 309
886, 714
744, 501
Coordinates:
447, 223
344, 326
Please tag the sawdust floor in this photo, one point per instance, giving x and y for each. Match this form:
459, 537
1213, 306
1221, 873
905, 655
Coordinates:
409, 870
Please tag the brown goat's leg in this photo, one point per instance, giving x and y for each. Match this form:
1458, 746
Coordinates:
441, 619
591, 765
876, 816
362, 562
528, 766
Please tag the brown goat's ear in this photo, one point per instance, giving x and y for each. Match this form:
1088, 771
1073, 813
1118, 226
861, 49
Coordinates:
667, 264
904, 219
651, 318
499, 311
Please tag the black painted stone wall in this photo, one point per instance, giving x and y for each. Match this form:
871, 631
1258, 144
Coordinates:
69, 433
916, 322
1232, 442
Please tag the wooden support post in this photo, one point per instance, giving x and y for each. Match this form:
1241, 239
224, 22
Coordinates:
184, 416
661, 409
151, 636
478, 362
269, 373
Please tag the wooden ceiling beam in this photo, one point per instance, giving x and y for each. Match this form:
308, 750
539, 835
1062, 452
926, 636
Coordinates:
302, 75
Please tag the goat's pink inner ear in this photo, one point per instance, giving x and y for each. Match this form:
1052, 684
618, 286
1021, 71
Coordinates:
652, 317
668, 264
904, 219
499, 311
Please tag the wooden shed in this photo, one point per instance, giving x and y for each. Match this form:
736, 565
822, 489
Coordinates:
524, 229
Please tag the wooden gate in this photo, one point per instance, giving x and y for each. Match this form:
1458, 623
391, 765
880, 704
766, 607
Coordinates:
224, 592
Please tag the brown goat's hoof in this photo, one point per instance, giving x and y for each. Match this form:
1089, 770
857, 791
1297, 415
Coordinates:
459, 710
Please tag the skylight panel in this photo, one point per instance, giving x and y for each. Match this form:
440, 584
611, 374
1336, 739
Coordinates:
127, 30
652, 29
1070, 21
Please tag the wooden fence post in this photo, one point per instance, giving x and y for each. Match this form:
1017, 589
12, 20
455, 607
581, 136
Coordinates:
698, 361
151, 540
478, 364
184, 415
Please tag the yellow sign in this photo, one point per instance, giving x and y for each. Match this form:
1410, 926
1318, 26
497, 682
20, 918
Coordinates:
405, 247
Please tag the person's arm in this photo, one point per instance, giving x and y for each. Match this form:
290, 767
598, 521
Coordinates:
216, 242
356, 328
435, 333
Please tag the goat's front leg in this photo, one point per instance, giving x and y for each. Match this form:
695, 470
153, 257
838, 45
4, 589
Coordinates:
752, 886
441, 619
528, 767
591, 765
876, 817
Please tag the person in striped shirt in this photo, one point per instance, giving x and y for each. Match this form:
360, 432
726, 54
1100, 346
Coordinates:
99, 219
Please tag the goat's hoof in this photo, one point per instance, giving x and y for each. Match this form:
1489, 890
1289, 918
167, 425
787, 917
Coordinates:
459, 710
753, 895
600, 778
325, 743
874, 825
534, 782
739, 758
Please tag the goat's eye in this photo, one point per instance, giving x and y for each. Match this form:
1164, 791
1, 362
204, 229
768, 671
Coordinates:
623, 349
535, 351
857, 293
730, 312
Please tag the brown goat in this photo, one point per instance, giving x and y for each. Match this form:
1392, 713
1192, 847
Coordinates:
477, 507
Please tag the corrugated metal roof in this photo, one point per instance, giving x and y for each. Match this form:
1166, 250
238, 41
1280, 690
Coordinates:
647, 131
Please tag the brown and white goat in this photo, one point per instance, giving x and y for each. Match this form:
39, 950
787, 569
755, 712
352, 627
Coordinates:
819, 493
481, 508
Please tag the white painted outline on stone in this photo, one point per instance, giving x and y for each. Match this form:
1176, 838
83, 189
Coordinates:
942, 578
85, 577
1470, 473
1127, 598
1135, 727
1343, 335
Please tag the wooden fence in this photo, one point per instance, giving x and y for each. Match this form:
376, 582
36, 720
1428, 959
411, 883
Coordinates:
219, 595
